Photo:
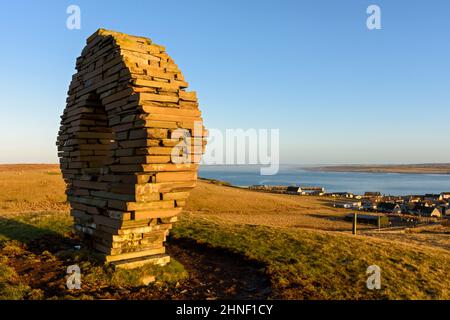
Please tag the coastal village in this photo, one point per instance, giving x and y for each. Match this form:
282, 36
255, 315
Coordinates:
375, 208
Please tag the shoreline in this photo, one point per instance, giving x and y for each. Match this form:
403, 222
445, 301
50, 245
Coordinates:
399, 169
248, 187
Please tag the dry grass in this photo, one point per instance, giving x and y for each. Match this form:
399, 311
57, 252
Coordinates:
242, 206
433, 236
26, 188
29, 167
31, 188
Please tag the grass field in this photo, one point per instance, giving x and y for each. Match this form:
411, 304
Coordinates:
299, 245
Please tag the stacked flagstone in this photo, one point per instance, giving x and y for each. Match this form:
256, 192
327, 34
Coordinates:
130, 140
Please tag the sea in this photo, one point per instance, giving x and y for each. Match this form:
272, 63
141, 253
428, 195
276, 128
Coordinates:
356, 182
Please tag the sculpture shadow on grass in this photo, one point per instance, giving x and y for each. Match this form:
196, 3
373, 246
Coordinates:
34, 237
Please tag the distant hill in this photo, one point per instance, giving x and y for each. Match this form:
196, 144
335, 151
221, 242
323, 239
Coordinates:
438, 168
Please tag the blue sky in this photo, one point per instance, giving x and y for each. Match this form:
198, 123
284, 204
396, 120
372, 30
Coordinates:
338, 92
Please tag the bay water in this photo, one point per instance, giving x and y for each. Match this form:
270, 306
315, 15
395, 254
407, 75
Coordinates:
355, 182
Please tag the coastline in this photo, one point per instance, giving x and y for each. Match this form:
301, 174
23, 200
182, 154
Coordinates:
248, 187
399, 169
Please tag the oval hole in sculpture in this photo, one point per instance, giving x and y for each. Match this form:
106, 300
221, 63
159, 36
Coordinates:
99, 139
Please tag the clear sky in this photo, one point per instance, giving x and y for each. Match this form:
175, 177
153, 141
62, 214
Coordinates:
338, 92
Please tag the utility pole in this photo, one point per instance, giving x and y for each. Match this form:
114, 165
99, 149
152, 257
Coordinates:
355, 218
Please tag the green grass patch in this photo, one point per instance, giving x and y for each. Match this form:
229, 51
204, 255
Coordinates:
171, 273
16, 232
29, 226
53, 173
11, 288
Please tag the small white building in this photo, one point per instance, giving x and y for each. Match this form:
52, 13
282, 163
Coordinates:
349, 205
445, 195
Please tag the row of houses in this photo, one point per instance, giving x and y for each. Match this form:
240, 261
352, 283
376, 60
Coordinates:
418, 205
417, 209
428, 205
310, 190
295, 190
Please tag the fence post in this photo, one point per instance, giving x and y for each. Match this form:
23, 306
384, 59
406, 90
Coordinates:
355, 219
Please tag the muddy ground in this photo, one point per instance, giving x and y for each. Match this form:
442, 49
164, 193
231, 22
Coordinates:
212, 273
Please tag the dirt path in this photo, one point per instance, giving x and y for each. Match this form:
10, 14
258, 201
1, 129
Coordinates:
217, 274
